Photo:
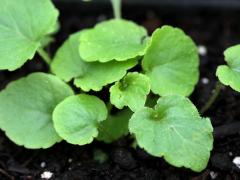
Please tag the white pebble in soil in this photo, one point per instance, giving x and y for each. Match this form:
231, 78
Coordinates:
213, 175
43, 164
236, 161
70, 160
202, 50
46, 175
205, 80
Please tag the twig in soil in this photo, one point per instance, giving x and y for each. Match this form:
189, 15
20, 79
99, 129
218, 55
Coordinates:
18, 169
227, 130
30, 159
203, 176
212, 98
6, 174
44, 55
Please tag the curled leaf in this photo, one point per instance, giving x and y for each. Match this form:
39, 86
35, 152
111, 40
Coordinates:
132, 91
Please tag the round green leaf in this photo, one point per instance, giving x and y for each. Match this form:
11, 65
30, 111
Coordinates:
26, 107
115, 127
174, 130
77, 118
171, 62
67, 64
132, 91
230, 75
116, 39
23, 25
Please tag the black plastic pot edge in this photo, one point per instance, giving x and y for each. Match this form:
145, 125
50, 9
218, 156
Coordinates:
186, 4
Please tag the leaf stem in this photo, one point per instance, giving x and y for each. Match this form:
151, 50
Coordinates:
213, 97
44, 55
116, 4
109, 107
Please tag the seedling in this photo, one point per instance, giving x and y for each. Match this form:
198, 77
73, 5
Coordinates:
228, 75
41, 109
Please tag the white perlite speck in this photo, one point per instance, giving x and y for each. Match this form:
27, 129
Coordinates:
70, 160
205, 80
236, 161
43, 165
46, 175
213, 175
202, 50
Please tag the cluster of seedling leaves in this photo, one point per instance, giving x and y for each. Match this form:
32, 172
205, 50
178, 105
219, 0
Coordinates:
41, 109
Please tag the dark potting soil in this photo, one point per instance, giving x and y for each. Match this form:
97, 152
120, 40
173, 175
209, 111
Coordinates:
216, 31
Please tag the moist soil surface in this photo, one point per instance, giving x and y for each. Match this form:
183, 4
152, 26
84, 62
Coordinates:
216, 30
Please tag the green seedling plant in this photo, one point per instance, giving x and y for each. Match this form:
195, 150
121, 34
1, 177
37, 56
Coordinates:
116, 56
228, 75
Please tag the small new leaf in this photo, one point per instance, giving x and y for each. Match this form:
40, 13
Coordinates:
67, 64
26, 107
77, 118
116, 39
174, 130
23, 26
171, 62
229, 74
132, 91
115, 127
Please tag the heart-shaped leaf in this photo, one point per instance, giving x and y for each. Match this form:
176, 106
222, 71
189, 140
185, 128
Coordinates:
115, 39
67, 64
131, 91
23, 25
229, 74
174, 130
171, 62
26, 107
77, 118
